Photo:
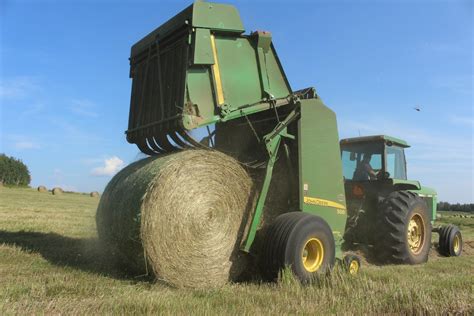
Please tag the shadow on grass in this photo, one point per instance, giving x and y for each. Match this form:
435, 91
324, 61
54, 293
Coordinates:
85, 254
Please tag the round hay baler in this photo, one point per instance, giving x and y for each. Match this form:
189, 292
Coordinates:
241, 166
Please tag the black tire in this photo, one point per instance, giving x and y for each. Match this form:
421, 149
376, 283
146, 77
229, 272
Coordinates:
351, 264
394, 223
450, 241
287, 241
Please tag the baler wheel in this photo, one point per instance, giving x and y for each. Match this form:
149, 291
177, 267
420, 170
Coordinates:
352, 264
404, 229
450, 241
301, 241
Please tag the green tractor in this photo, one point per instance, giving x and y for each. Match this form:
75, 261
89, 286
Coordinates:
199, 75
387, 211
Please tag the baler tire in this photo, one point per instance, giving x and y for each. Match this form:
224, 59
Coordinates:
351, 263
450, 241
400, 213
301, 241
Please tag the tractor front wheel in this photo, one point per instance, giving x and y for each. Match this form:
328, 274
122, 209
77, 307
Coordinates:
300, 241
403, 229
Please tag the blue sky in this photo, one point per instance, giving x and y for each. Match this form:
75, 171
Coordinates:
65, 91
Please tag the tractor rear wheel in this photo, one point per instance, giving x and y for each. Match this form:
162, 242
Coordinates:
300, 241
450, 241
403, 229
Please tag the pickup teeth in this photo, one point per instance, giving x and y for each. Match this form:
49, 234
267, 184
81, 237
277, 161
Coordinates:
167, 143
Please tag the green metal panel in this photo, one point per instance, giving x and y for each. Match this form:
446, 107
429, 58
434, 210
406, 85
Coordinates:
239, 70
412, 184
241, 75
200, 91
202, 47
431, 197
320, 167
216, 16
375, 138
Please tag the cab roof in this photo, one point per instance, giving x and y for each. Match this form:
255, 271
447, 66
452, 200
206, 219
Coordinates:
375, 138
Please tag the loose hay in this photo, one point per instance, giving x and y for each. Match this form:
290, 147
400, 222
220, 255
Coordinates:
42, 188
57, 191
94, 194
192, 207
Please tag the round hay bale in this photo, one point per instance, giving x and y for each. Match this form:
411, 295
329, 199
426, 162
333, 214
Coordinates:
188, 210
57, 191
94, 194
42, 188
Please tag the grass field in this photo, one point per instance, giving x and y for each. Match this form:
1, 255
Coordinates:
50, 263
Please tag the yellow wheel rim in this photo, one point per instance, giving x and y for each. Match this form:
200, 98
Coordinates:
312, 255
416, 233
354, 267
457, 244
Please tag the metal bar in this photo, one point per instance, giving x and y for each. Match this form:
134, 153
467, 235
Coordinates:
272, 142
160, 81
272, 147
217, 73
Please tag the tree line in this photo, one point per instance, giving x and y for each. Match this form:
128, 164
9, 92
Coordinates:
13, 171
445, 206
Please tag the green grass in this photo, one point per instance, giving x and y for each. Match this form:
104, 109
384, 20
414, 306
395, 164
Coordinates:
50, 263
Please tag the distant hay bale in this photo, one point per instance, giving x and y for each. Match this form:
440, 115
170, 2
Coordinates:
42, 188
187, 209
57, 191
94, 194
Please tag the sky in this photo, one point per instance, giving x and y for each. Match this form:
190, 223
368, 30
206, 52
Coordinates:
65, 87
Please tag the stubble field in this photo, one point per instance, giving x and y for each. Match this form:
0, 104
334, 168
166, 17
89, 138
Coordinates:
50, 262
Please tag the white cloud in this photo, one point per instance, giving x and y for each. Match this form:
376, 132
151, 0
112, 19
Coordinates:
18, 87
111, 166
26, 145
462, 120
83, 107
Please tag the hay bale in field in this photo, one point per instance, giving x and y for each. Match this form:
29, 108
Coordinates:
94, 194
57, 191
188, 209
42, 188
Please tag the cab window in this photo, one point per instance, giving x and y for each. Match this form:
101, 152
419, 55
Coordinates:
358, 158
396, 163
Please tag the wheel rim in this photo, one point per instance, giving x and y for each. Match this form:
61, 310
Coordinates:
416, 233
457, 244
354, 267
312, 255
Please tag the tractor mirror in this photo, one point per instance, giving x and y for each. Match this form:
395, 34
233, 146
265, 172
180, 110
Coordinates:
389, 143
353, 156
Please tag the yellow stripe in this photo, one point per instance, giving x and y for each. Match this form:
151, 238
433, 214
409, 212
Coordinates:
217, 73
321, 202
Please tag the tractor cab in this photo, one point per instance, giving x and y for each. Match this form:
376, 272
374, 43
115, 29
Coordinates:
373, 168
373, 158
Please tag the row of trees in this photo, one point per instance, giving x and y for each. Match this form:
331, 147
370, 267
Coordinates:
445, 206
13, 171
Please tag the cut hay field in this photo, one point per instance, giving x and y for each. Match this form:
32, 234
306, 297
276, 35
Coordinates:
50, 263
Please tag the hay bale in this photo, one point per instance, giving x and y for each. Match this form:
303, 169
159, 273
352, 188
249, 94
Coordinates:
188, 209
94, 194
57, 191
42, 188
